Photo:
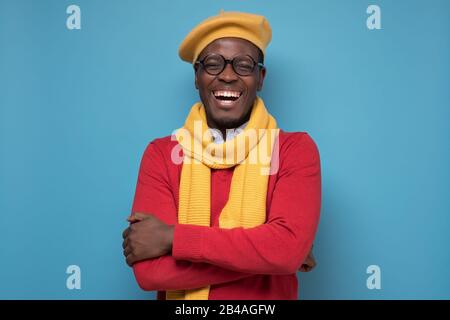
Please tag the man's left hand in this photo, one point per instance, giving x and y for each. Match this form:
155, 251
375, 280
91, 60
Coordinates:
147, 237
309, 263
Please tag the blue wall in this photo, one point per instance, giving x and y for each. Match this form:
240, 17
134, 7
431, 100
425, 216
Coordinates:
78, 107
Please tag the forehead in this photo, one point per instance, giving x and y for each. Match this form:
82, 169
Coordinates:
230, 47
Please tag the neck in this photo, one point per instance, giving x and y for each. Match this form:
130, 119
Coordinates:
223, 129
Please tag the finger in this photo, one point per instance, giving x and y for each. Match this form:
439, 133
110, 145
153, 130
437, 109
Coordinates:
126, 232
125, 243
305, 268
310, 266
127, 251
132, 219
139, 216
130, 259
311, 262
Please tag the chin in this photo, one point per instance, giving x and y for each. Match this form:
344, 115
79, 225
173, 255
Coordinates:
226, 118
229, 123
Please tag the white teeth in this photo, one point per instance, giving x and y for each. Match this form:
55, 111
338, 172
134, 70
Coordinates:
222, 93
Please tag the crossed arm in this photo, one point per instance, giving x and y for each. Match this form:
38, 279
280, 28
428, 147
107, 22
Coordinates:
168, 256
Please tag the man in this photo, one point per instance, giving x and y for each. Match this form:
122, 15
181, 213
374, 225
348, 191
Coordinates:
207, 228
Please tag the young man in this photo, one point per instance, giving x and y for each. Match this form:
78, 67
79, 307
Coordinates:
205, 227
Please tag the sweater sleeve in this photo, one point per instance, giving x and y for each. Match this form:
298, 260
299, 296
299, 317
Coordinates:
153, 195
281, 244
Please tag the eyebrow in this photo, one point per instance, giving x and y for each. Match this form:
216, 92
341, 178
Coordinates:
200, 57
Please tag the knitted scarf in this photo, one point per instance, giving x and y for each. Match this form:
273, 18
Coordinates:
250, 151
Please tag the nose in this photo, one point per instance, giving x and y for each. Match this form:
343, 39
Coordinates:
228, 74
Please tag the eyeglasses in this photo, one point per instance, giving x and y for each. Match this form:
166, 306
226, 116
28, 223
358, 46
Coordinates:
214, 64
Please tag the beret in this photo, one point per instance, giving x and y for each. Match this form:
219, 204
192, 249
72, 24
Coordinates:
251, 27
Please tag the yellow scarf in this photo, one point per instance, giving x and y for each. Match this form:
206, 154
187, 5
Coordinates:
250, 151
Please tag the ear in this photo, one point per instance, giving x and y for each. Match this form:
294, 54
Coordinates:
262, 75
196, 75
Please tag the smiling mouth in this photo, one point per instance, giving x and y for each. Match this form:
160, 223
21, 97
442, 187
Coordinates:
226, 96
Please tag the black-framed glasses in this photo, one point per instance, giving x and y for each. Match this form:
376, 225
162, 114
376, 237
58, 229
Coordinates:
214, 64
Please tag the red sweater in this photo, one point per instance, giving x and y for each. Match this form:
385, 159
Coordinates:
256, 263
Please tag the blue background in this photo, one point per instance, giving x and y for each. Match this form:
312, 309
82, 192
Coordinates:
78, 107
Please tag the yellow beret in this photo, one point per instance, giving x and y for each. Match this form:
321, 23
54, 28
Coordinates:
251, 27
